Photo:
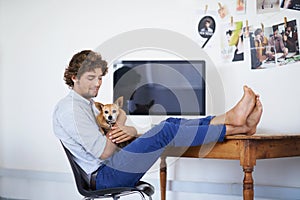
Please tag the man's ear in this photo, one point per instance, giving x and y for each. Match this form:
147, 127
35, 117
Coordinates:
99, 106
74, 79
119, 101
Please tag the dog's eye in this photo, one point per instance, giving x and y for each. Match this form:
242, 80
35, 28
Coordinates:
114, 111
106, 112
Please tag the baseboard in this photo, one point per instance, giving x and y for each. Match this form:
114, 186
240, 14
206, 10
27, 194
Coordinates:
235, 189
2, 198
36, 175
262, 191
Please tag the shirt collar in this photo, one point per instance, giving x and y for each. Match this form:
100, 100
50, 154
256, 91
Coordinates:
80, 98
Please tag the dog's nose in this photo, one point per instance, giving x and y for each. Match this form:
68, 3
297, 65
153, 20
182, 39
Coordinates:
110, 117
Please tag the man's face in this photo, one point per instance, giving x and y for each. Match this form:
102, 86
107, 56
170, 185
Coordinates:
207, 24
288, 30
88, 84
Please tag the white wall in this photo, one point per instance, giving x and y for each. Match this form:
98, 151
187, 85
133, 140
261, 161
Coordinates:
38, 38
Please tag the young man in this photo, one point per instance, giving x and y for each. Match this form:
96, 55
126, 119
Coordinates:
106, 166
207, 27
276, 44
261, 43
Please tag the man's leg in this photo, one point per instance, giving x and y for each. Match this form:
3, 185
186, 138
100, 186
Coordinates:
127, 166
191, 122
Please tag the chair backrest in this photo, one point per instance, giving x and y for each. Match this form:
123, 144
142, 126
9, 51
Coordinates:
79, 175
82, 183
83, 188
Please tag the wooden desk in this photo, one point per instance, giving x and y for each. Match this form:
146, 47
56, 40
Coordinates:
247, 149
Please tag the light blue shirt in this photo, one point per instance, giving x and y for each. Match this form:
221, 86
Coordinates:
74, 123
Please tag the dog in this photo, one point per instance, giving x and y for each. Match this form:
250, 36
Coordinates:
108, 116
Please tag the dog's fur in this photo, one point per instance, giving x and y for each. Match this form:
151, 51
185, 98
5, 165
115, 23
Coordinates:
108, 116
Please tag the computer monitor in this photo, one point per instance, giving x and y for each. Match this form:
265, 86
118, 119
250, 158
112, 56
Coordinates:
161, 87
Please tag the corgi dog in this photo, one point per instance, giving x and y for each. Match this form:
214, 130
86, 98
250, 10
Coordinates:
108, 114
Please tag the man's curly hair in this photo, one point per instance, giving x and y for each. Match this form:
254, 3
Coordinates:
82, 62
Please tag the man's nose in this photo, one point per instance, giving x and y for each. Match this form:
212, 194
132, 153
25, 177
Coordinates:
98, 82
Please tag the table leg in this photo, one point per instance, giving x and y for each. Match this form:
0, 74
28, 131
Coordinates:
163, 178
248, 161
248, 188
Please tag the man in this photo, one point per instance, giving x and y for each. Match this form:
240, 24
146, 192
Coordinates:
206, 31
261, 43
206, 27
276, 44
106, 166
288, 41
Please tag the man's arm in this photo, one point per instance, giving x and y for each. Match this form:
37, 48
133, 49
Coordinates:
109, 149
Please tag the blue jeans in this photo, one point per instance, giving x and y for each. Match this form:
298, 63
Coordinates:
127, 166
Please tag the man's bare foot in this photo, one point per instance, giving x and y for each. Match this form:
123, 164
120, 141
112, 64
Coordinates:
254, 117
238, 115
252, 121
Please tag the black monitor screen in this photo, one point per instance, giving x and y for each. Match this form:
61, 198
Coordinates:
174, 87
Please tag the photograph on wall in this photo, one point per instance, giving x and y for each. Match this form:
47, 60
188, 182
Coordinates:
265, 6
232, 42
274, 46
223, 11
206, 28
290, 4
240, 6
259, 45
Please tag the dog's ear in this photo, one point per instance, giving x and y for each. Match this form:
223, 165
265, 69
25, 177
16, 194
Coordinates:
119, 101
99, 105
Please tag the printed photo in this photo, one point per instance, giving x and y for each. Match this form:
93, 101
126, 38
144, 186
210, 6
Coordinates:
290, 4
274, 46
241, 6
206, 29
232, 42
265, 6
223, 11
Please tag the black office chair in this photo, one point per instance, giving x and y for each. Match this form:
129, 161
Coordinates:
83, 187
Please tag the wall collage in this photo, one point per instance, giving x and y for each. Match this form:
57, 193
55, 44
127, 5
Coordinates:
270, 47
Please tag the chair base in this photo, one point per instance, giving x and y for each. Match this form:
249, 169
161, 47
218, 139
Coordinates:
117, 197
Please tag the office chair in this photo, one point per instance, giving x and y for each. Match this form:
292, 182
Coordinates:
83, 186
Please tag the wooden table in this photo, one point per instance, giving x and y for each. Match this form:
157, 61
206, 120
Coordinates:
247, 149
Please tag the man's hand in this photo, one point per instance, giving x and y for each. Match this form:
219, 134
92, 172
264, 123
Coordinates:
120, 133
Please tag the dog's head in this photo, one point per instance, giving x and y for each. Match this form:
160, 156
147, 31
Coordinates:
108, 112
